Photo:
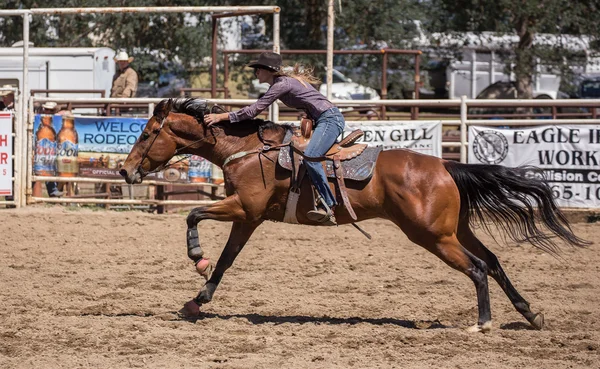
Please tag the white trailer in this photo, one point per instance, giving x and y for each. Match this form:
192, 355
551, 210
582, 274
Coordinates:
72, 68
478, 69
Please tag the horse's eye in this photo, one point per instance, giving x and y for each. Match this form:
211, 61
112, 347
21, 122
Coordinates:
145, 136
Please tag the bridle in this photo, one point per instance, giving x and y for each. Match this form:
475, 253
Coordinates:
166, 164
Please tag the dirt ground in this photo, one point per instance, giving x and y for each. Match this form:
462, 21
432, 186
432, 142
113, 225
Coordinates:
101, 289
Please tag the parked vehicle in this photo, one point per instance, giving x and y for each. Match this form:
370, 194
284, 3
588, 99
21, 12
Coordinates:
589, 88
343, 88
167, 85
72, 68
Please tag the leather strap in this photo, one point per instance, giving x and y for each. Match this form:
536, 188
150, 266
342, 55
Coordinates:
337, 164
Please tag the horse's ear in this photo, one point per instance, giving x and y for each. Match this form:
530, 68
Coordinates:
163, 109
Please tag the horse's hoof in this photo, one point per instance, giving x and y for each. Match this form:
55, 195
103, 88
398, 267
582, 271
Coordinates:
538, 321
204, 268
190, 309
483, 328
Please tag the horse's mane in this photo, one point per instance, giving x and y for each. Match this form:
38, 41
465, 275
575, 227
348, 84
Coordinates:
198, 107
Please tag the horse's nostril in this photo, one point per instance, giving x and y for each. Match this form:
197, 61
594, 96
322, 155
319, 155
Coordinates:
123, 173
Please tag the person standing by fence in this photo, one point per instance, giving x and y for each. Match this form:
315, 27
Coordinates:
125, 80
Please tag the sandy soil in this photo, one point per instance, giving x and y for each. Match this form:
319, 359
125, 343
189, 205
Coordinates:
101, 289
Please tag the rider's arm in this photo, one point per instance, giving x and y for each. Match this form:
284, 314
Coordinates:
279, 88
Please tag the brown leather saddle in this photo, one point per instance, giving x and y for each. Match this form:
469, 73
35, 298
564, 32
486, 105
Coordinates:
344, 160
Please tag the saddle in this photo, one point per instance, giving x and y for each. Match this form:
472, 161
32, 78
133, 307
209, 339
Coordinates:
344, 160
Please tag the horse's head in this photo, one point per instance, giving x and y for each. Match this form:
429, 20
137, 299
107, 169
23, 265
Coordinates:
154, 148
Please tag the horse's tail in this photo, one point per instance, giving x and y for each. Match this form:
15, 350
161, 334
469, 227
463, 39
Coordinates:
509, 196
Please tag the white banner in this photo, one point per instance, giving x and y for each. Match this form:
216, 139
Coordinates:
6, 151
568, 154
424, 137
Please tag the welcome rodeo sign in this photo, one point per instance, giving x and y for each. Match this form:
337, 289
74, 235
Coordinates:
568, 154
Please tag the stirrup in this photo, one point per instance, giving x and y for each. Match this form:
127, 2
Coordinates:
323, 215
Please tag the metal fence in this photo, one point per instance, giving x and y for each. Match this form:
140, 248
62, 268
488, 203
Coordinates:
463, 105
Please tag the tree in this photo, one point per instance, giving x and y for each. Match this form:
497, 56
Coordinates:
359, 24
185, 39
546, 30
155, 40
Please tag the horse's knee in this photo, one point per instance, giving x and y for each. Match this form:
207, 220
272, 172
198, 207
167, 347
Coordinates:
194, 217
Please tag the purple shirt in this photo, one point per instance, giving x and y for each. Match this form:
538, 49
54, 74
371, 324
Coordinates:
292, 93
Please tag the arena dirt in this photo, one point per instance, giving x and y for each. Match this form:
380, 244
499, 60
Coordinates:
101, 289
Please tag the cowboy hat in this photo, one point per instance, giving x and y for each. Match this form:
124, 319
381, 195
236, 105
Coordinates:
8, 89
122, 56
267, 60
50, 105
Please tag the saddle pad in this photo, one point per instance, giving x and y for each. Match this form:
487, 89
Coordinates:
358, 168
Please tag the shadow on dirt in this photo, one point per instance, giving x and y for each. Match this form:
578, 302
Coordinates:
517, 326
303, 319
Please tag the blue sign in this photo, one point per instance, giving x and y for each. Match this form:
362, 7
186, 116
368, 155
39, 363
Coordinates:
102, 134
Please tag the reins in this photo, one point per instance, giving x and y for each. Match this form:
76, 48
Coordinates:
166, 165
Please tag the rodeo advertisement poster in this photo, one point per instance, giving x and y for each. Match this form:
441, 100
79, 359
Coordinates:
74, 146
569, 156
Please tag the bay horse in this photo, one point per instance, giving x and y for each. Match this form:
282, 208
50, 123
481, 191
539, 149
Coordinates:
432, 200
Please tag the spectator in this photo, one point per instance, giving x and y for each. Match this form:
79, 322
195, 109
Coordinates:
125, 80
371, 115
8, 98
50, 107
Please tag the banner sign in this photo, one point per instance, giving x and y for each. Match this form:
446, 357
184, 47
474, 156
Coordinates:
74, 146
6, 151
424, 137
568, 154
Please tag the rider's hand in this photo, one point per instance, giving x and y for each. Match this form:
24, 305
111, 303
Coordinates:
211, 119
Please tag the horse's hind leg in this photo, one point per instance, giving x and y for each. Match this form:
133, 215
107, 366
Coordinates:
452, 253
471, 242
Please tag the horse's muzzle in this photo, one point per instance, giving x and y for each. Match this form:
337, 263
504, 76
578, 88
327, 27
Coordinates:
131, 178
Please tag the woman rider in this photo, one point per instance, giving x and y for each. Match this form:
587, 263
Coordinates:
294, 89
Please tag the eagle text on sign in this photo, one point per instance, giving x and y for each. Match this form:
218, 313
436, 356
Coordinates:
568, 156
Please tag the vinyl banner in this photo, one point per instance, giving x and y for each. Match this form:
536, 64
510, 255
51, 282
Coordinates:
73, 146
6, 151
424, 137
568, 154
83, 146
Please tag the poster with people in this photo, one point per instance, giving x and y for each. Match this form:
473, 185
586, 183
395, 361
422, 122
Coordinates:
569, 156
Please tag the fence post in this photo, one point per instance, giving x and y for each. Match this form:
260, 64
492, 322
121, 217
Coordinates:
463, 129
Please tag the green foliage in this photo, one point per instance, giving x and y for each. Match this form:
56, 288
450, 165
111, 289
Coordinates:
164, 41
151, 38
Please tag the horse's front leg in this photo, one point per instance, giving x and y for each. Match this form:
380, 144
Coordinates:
240, 234
226, 210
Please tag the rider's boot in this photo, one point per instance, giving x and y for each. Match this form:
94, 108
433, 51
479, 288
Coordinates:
322, 214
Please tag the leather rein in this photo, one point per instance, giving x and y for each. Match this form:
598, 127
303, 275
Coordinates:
178, 151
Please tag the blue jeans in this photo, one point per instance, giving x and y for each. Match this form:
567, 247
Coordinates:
329, 126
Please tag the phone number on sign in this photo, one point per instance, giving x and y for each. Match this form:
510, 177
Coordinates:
570, 192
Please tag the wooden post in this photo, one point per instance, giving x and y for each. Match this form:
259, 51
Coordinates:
160, 195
